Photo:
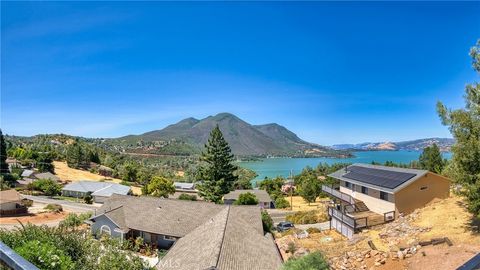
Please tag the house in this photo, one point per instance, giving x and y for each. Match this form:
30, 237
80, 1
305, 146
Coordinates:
231, 239
372, 194
11, 203
199, 235
47, 175
263, 197
181, 186
99, 190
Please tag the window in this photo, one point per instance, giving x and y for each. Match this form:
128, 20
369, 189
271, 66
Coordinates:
423, 188
364, 190
170, 238
105, 230
384, 196
347, 184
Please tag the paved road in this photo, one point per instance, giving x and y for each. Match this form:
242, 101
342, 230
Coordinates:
72, 206
278, 215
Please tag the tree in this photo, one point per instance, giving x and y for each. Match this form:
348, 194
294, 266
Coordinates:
464, 124
160, 187
310, 188
247, 198
47, 186
3, 155
281, 203
272, 185
76, 157
88, 199
267, 222
312, 261
129, 172
217, 171
431, 159
44, 163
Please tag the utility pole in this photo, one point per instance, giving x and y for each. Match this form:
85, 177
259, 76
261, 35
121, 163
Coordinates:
291, 192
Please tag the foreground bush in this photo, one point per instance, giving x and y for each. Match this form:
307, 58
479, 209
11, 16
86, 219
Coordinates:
62, 249
187, 197
312, 261
307, 217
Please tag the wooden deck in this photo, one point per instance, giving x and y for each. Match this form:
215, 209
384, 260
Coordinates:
372, 218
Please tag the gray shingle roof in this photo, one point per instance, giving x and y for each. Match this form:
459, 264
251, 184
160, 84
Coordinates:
27, 173
158, 215
233, 239
47, 175
105, 189
261, 194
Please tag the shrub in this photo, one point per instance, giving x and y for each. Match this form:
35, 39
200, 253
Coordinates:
313, 230
291, 248
281, 203
307, 217
73, 220
247, 198
53, 207
47, 186
267, 222
88, 199
312, 261
27, 202
187, 197
45, 255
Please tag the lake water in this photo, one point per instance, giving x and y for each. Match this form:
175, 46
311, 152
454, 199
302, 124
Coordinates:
272, 167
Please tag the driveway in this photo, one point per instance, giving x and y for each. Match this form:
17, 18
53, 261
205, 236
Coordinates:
278, 215
67, 205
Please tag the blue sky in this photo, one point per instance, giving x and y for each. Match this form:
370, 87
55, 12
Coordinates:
332, 72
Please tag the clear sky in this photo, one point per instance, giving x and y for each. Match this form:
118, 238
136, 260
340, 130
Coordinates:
332, 72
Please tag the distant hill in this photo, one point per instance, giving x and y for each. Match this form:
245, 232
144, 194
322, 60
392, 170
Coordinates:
445, 144
190, 135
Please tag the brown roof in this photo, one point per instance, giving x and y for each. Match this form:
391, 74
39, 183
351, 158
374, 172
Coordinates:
261, 194
233, 239
157, 215
10, 195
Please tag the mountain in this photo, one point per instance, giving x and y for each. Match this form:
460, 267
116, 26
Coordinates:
190, 135
444, 144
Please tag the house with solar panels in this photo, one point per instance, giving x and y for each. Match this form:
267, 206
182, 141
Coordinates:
370, 195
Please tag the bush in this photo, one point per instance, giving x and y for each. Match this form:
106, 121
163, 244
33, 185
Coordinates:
312, 261
27, 202
45, 255
73, 220
187, 197
312, 230
307, 217
47, 186
53, 207
281, 203
71, 247
267, 222
247, 198
88, 199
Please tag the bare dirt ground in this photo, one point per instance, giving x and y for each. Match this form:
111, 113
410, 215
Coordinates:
34, 218
66, 173
299, 204
442, 218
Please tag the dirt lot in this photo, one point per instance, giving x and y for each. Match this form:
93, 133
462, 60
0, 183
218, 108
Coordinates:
443, 218
299, 204
66, 173
38, 218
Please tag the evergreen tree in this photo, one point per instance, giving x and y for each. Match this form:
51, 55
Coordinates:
217, 171
75, 156
431, 159
3, 155
44, 163
464, 125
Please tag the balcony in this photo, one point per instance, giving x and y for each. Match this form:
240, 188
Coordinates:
339, 195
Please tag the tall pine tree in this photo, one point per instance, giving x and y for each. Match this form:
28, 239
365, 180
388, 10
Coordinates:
464, 125
217, 171
3, 155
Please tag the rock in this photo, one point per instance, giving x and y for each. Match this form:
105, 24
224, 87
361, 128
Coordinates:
400, 255
350, 254
377, 264
408, 255
359, 260
373, 252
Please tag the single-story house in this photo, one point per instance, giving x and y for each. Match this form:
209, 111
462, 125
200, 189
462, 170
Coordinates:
99, 190
382, 191
11, 202
263, 197
47, 175
199, 235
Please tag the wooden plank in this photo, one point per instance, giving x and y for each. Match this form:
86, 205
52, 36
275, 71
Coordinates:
372, 245
425, 243
436, 241
449, 242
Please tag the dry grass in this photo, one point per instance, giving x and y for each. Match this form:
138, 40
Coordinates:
448, 218
299, 204
66, 173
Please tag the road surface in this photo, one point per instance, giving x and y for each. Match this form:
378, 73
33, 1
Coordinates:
67, 205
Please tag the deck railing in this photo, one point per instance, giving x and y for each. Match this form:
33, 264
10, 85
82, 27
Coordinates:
340, 195
14, 261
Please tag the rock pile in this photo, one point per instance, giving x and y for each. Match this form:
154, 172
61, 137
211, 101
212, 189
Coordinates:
402, 232
358, 259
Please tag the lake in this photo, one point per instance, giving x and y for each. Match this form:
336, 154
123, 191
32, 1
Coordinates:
272, 167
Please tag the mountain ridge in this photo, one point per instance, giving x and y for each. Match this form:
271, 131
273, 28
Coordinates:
444, 144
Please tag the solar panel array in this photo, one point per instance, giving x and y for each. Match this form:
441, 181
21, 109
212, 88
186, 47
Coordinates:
378, 177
